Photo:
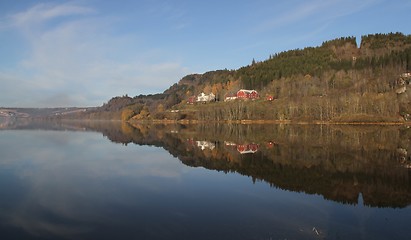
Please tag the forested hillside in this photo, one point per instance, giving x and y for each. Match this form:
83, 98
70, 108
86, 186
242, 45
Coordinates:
337, 81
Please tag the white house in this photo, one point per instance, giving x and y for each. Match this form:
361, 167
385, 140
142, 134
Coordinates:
202, 97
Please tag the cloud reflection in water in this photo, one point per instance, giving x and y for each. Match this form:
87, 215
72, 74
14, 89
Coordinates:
69, 182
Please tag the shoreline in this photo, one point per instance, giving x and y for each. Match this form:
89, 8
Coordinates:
246, 122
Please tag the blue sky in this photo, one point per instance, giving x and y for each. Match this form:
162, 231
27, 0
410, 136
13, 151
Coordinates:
82, 53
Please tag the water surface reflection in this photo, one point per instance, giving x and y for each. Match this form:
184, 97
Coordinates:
236, 181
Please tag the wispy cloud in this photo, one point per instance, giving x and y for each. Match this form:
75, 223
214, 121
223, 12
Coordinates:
175, 15
77, 61
314, 9
45, 12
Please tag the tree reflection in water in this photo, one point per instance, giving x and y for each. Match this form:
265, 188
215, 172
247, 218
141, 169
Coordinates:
340, 162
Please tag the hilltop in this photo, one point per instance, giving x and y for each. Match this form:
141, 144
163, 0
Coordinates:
337, 81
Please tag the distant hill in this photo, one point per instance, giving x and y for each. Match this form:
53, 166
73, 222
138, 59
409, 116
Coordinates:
337, 81
39, 112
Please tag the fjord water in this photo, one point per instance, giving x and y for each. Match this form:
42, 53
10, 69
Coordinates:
119, 181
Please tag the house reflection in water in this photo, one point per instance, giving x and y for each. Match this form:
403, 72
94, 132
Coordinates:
243, 148
203, 145
247, 148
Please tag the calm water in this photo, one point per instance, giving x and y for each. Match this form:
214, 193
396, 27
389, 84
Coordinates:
92, 181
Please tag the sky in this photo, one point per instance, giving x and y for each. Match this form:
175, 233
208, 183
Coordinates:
84, 52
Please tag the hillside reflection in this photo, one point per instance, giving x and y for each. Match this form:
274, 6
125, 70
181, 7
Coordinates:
347, 164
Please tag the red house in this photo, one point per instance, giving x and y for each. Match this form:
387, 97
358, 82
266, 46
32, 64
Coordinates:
247, 94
